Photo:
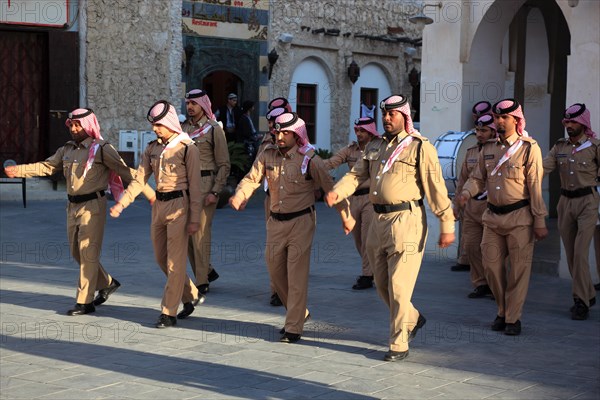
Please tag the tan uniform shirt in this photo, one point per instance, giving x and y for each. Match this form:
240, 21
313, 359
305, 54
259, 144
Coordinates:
350, 155
171, 173
577, 170
474, 208
290, 190
72, 159
414, 175
518, 179
214, 153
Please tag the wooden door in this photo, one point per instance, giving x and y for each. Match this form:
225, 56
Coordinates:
23, 94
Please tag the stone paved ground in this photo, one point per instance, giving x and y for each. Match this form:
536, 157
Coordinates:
228, 348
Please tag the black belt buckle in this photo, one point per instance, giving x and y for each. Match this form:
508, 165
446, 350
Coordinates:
166, 196
81, 198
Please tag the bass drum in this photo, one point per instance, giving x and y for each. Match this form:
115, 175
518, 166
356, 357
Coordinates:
452, 149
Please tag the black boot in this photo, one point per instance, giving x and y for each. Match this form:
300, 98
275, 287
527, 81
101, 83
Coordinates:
104, 294
363, 282
81, 309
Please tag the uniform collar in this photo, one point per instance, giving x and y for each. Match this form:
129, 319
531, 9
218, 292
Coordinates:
581, 140
510, 140
85, 143
291, 153
399, 137
200, 123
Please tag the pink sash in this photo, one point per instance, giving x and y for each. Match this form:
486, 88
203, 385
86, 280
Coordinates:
399, 149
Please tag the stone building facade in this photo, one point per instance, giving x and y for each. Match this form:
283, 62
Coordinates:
131, 56
330, 35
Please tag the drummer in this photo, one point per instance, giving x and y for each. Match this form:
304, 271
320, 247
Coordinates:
462, 263
470, 218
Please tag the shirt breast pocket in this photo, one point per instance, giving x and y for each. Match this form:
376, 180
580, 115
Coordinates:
69, 167
563, 163
515, 171
586, 163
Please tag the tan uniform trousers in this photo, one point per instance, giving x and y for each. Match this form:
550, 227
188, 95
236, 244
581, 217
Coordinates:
576, 223
472, 232
597, 248
288, 259
463, 257
267, 206
199, 246
502, 238
395, 247
85, 230
170, 238
362, 211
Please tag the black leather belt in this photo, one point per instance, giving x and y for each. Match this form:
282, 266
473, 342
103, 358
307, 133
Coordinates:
85, 197
361, 192
508, 208
389, 208
478, 195
166, 196
572, 194
288, 216
206, 172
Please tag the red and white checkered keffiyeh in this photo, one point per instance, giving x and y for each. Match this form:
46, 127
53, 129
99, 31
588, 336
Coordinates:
90, 125
368, 124
486, 120
580, 114
512, 107
280, 102
201, 98
481, 108
274, 113
291, 122
387, 104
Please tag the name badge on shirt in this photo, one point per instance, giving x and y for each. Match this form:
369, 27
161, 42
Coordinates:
488, 156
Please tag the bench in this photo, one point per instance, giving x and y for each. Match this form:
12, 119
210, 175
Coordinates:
16, 181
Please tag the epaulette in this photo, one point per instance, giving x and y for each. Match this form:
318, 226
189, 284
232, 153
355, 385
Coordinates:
271, 146
152, 141
310, 153
213, 123
528, 139
187, 142
418, 136
561, 140
353, 143
472, 147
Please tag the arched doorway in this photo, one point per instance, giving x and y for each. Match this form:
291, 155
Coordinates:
219, 84
532, 38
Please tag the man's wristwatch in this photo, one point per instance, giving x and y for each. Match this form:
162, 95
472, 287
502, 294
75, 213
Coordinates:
216, 194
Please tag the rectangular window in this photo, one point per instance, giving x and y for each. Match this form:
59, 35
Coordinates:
368, 103
306, 107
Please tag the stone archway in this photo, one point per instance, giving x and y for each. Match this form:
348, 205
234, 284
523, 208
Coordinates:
520, 50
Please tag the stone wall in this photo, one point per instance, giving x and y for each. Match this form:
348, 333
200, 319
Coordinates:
133, 58
364, 17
